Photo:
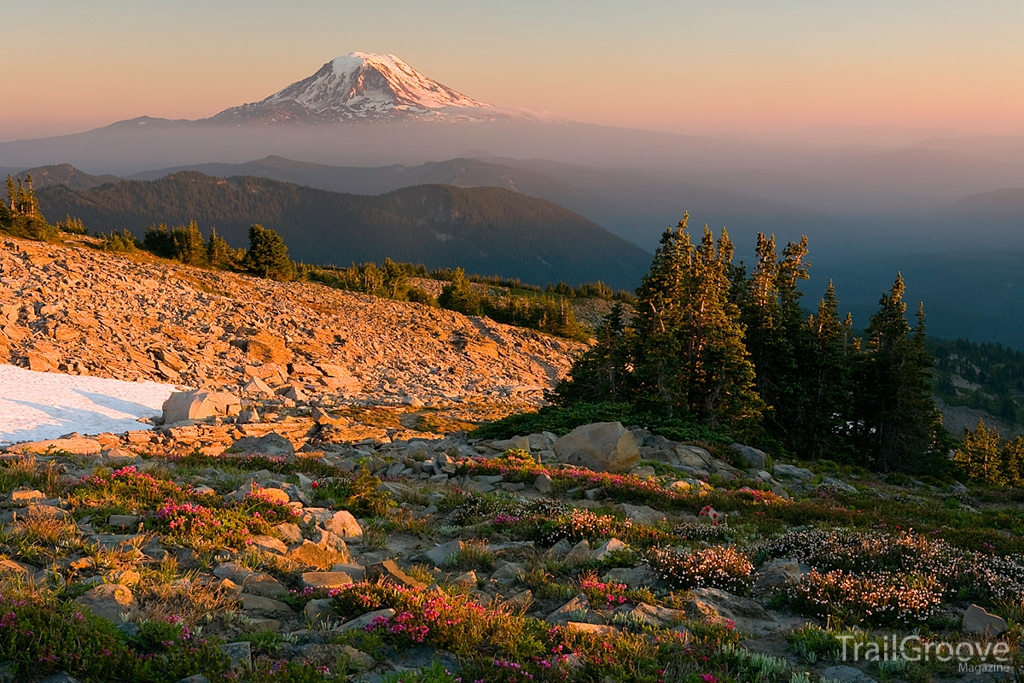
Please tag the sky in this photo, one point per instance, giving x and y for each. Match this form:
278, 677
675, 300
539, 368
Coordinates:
734, 67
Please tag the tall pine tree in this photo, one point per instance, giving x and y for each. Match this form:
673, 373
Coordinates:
897, 422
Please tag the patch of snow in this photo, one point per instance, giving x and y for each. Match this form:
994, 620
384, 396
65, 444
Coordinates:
46, 405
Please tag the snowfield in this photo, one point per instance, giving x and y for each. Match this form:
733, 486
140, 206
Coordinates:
45, 405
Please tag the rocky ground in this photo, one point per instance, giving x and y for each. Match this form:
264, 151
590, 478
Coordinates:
316, 511
77, 310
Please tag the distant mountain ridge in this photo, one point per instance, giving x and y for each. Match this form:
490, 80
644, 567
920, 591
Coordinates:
488, 230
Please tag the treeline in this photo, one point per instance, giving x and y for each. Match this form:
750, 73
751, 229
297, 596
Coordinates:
551, 314
710, 343
989, 377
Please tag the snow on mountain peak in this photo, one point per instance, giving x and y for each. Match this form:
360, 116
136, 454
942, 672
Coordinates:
361, 85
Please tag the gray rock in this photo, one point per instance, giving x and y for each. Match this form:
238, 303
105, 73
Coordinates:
543, 483
326, 579
198, 678
344, 525
643, 514
977, 620
336, 656
846, 674
109, 601
257, 583
361, 622
712, 604
258, 603
792, 472
319, 611
748, 456
634, 577
240, 654
662, 617
778, 573
123, 521
438, 555
577, 609
827, 482
198, 405
62, 677
602, 447
562, 548
508, 573
608, 547
269, 444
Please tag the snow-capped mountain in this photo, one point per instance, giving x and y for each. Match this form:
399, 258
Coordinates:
360, 86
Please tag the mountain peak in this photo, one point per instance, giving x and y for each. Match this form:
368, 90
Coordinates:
360, 86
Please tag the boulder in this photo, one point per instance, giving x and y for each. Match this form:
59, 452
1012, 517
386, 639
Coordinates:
361, 622
662, 617
337, 657
109, 601
644, 514
326, 579
253, 582
198, 405
608, 547
577, 609
239, 653
977, 620
792, 472
439, 554
76, 445
602, 447
319, 611
389, 571
543, 483
269, 444
264, 605
749, 457
714, 605
344, 525
778, 573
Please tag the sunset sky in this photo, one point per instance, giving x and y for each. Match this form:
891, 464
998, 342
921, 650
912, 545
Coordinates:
720, 66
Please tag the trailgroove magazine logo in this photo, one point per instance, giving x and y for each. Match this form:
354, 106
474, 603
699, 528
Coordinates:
971, 656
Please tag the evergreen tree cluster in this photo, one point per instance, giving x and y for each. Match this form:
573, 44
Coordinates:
710, 343
550, 314
187, 244
20, 215
986, 458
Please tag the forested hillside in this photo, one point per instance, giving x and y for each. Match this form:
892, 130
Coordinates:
484, 230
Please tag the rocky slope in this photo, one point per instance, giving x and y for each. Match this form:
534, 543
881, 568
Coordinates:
74, 309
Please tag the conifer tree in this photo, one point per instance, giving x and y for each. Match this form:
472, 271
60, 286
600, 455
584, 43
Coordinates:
897, 422
218, 252
824, 407
188, 244
459, 295
691, 353
979, 456
267, 255
602, 373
